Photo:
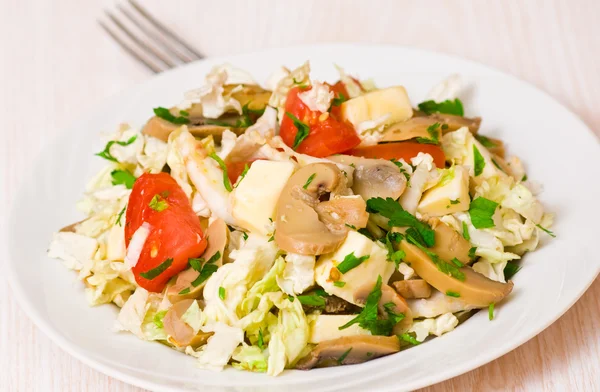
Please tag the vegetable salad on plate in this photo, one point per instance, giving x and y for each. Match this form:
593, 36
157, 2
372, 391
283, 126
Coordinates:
302, 224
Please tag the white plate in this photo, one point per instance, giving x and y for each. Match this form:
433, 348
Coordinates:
558, 149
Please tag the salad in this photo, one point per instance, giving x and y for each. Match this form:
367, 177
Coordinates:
302, 224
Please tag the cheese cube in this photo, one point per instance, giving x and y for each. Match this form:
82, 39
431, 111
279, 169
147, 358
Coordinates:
391, 102
327, 327
451, 197
254, 201
364, 274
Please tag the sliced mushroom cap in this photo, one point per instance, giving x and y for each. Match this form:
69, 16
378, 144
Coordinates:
475, 289
217, 234
413, 288
452, 121
252, 95
72, 228
374, 177
180, 333
388, 294
302, 225
449, 243
349, 350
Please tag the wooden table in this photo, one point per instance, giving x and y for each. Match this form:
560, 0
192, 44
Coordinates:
57, 63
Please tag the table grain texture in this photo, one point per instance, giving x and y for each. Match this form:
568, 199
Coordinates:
57, 63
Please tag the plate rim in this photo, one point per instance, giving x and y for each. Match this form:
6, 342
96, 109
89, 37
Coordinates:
18, 291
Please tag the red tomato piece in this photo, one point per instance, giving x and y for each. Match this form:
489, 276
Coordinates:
175, 234
401, 150
326, 134
339, 91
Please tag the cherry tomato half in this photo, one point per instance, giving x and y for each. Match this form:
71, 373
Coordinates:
401, 150
175, 234
326, 134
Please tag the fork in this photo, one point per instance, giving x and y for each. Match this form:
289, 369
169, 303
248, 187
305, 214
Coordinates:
146, 39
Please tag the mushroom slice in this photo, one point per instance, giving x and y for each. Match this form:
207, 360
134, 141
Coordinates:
252, 95
452, 121
389, 295
475, 289
449, 243
349, 350
161, 129
180, 333
413, 288
217, 234
305, 228
374, 177
72, 228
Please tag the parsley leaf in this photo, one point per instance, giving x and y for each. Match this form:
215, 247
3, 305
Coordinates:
223, 167
339, 284
340, 360
303, 130
465, 232
340, 99
393, 255
491, 311
485, 141
444, 267
350, 262
118, 221
409, 338
158, 204
510, 270
472, 252
310, 179
244, 172
311, 300
452, 294
448, 107
350, 226
368, 317
184, 291
433, 133
366, 233
154, 272
479, 161
551, 234
455, 201
122, 177
524, 178
481, 211
400, 218
402, 169
245, 236
106, 152
222, 293
165, 114
207, 270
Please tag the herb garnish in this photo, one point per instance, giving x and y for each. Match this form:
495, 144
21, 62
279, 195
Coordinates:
158, 203
123, 177
244, 235
472, 252
158, 319
409, 338
350, 226
340, 99
303, 130
444, 267
118, 221
223, 167
485, 141
339, 283
205, 270
524, 178
455, 201
551, 234
310, 179
400, 218
350, 262
368, 317
465, 231
481, 211
106, 152
154, 272
448, 107
452, 294
433, 132
311, 300
479, 161
222, 293
491, 311
395, 256
340, 360
261, 340
166, 114
244, 172
510, 270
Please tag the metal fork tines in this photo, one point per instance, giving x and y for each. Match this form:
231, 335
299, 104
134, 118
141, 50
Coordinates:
146, 39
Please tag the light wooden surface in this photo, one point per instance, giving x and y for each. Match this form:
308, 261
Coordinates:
57, 63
